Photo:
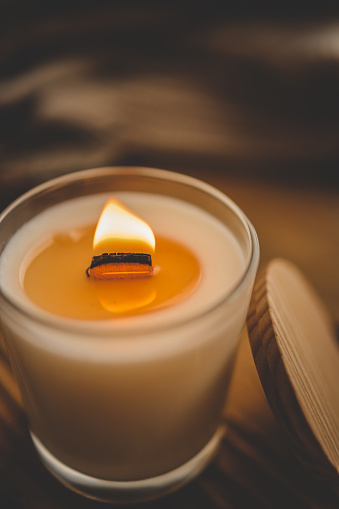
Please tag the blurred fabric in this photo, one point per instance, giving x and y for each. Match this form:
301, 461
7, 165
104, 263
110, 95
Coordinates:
238, 90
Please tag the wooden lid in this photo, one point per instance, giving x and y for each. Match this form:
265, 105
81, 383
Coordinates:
297, 358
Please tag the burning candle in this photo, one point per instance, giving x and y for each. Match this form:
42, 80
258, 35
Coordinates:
124, 362
120, 279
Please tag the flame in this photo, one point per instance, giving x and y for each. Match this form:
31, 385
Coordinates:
119, 230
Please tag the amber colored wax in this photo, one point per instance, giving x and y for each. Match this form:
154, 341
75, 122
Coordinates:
56, 279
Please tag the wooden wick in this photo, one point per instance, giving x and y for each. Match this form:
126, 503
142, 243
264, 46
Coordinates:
120, 265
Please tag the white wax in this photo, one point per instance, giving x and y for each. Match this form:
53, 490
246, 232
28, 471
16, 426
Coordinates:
220, 257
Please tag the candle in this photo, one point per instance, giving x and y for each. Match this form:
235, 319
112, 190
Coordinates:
124, 394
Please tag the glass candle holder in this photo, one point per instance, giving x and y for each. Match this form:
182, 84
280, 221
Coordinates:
129, 409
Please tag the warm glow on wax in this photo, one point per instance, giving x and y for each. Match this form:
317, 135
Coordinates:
120, 230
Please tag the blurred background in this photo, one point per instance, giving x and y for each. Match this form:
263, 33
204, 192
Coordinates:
243, 95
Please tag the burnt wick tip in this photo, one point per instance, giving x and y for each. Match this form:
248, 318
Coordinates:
120, 265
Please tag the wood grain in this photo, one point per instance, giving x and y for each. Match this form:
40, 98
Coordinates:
302, 402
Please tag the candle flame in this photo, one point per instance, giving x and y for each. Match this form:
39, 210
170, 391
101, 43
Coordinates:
119, 230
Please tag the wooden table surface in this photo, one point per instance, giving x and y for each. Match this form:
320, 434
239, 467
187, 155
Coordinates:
244, 104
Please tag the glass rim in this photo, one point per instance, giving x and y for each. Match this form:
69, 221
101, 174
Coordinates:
87, 327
